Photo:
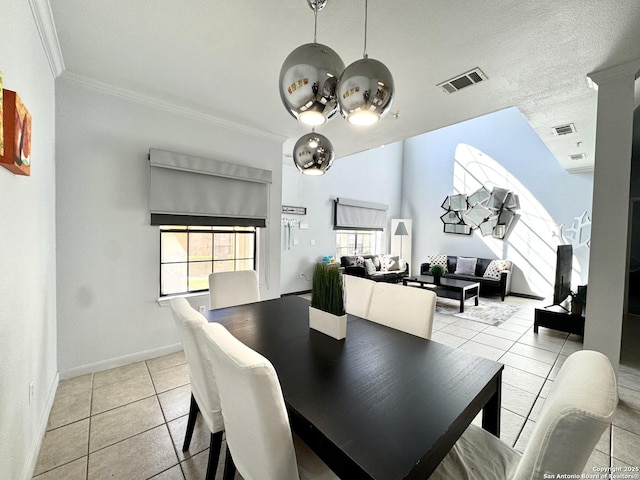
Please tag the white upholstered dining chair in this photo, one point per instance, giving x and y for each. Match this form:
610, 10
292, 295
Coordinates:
576, 413
258, 434
358, 291
408, 309
227, 289
204, 391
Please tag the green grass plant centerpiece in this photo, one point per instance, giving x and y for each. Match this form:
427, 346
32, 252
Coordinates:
326, 312
327, 289
437, 270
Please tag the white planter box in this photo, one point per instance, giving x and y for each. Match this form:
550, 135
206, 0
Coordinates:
332, 325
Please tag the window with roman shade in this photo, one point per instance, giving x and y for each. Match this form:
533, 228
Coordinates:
189, 190
355, 214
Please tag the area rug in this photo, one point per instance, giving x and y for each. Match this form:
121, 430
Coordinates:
487, 312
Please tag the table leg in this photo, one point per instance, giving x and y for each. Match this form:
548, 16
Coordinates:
491, 411
477, 295
463, 294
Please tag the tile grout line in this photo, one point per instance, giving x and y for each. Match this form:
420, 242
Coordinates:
546, 379
90, 417
166, 423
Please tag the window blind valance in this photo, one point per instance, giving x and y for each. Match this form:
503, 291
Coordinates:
355, 214
219, 193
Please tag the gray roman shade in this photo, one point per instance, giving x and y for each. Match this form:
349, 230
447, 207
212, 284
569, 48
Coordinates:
354, 214
188, 190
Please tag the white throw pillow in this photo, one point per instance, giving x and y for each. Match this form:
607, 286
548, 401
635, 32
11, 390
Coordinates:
438, 260
393, 264
369, 266
495, 268
466, 266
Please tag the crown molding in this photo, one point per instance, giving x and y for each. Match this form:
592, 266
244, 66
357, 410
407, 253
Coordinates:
160, 104
43, 18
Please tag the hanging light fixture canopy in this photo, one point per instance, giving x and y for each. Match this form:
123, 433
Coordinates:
365, 88
309, 77
313, 154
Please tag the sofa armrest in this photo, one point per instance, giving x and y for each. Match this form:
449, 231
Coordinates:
505, 283
424, 268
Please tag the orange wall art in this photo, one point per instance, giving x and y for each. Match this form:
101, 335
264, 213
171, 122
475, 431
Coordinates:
16, 133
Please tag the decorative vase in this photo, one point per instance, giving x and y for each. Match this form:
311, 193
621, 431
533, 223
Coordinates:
333, 325
436, 279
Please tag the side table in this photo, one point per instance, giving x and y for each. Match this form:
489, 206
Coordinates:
558, 318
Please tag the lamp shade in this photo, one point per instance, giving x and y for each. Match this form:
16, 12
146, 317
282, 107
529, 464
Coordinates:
365, 91
401, 229
308, 81
313, 154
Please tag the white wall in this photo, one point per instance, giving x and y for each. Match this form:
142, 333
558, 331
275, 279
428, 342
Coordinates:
27, 253
549, 196
374, 176
108, 254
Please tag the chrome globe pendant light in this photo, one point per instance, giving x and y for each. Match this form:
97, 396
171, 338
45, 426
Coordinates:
313, 154
365, 88
309, 77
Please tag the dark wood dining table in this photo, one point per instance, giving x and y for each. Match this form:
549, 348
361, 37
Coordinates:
380, 404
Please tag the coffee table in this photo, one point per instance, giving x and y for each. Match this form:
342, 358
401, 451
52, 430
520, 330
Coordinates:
447, 287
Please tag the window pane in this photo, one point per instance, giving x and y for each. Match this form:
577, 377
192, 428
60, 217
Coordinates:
368, 243
200, 246
199, 276
345, 243
223, 246
189, 254
244, 246
173, 278
244, 264
173, 247
223, 266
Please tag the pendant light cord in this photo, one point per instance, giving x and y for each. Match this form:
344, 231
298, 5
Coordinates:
364, 53
315, 23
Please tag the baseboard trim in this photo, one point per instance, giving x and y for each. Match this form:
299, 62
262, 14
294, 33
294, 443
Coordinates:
120, 361
526, 295
302, 292
30, 465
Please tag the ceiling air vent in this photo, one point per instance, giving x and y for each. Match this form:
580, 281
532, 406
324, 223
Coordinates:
578, 156
564, 129
461, 81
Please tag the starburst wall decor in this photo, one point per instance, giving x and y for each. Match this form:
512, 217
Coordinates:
492, 213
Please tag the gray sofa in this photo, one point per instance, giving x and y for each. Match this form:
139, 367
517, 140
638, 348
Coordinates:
488, 285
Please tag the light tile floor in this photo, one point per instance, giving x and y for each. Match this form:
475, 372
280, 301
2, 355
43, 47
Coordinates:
129, 422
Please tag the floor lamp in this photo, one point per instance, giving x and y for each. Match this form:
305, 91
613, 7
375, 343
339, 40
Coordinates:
401, 231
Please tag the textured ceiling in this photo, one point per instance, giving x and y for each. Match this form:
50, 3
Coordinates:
222, 58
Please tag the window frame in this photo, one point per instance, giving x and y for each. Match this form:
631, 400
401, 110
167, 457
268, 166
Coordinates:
213, 230
377, 234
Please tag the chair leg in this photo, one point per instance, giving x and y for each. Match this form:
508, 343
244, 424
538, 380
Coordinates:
191, 423
229, 466
214, 455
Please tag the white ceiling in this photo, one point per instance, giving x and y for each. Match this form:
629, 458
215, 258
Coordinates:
222, 58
